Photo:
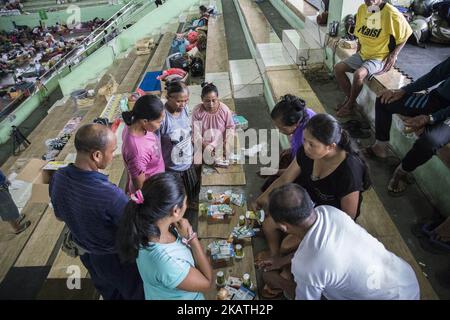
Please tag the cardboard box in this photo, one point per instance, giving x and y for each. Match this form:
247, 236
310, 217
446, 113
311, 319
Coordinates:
38, 172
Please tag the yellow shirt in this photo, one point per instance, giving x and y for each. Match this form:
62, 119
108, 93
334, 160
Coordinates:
374, 31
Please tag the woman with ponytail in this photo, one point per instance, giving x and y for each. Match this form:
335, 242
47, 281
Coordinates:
170, 258
141, 148
330, 169
290, 116
176, 138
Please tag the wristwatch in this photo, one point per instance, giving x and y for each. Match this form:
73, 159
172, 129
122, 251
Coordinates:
430, 119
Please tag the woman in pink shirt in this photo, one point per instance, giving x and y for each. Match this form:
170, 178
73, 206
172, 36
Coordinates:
141, 148
213, 124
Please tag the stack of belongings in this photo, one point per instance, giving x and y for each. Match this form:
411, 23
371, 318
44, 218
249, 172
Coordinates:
144, 46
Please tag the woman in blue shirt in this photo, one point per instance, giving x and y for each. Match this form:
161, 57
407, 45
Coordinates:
170, 258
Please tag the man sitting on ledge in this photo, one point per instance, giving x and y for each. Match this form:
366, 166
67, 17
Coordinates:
379, 27
428, 115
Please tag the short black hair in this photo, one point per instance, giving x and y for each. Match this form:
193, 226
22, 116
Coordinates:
92, 137
290, 203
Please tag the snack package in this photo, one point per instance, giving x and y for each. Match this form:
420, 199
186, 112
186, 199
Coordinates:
243, 294
243, 232
234, 282
237, 199
222, 198
221, 250
219, 211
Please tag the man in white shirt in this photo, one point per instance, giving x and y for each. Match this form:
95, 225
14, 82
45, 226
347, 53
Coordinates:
336, 257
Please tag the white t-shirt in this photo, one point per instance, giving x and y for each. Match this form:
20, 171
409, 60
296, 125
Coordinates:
341, 261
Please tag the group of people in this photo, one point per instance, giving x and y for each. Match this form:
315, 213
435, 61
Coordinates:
138, 243
11, 6
142, 232
382, 32
26, 53
304, 259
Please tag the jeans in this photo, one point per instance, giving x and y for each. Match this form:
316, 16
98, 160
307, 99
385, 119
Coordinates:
430, 141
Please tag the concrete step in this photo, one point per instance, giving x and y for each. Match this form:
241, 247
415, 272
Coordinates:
318, 33
222, 82
302, 47
273, 56
246, 80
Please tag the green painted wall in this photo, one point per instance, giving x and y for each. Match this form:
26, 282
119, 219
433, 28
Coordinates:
170, 11
32, 20
98, 62
287, 14
89, 69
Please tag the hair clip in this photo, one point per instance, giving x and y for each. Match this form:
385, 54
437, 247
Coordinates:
137, 197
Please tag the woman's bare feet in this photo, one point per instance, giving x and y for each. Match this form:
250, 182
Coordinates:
399, 182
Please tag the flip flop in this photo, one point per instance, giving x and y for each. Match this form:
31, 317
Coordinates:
358, 133
355, 124
21, 218
400, 193
23, 227
445, 245
429, 227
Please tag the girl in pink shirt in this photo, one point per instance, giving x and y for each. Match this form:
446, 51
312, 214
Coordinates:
212, 123
141, 148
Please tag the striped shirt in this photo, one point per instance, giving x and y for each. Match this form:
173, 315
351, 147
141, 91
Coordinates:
90, 205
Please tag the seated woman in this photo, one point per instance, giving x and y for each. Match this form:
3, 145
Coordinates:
213, 125
290, 116
176, 139
333, 173
169, 256
141, 148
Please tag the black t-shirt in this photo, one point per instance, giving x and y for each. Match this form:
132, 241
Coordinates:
347, 178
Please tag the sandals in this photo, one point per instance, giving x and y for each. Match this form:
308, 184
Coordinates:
23, 227
21, 218
355, 124
399, 183
356, 127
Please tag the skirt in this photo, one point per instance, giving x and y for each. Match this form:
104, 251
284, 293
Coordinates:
191, 182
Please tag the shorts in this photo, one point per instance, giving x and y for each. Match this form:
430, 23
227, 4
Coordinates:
372, 66
8, 209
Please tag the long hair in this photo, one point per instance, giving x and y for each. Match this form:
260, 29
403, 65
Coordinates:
327, 130
162, 192
147, 107
208, 87
291, 110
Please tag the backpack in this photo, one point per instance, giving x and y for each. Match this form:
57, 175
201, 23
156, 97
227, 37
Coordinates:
177, 61
197, 69
443, 10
